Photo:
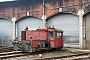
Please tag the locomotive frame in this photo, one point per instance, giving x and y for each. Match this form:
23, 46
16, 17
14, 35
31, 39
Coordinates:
42, 38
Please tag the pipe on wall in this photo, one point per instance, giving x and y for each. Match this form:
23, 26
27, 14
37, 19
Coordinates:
80, 13
13, 27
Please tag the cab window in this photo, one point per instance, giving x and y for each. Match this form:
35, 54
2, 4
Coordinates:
58, 35
50, 33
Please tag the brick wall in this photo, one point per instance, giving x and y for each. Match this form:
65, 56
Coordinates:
19, 9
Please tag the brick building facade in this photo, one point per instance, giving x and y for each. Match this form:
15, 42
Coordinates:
19, 9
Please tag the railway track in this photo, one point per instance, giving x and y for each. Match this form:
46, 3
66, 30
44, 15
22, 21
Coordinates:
11, 54
8, 52
81, 56
5, 55
6, 49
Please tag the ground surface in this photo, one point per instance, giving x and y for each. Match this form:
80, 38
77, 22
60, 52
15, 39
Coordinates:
47, 54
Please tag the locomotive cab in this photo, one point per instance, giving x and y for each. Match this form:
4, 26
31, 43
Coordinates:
55, 36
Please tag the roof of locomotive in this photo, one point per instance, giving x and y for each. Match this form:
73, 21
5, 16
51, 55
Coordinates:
46, 28
56, 29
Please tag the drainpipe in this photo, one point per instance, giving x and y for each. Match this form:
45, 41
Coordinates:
84, 32
80, 13
28, 13
60, 7
16, 30
13, 27
44, 16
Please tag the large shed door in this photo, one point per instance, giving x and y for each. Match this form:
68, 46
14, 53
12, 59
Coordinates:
69, 23
5, 32
32, 23
88, 31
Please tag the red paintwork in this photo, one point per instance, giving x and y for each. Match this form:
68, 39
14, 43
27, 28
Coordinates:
34, 44
23, 35
41, 34
36, 35
56, 43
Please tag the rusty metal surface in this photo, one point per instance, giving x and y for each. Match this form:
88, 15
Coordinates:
41, 36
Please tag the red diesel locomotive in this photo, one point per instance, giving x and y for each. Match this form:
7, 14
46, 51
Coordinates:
42, 38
